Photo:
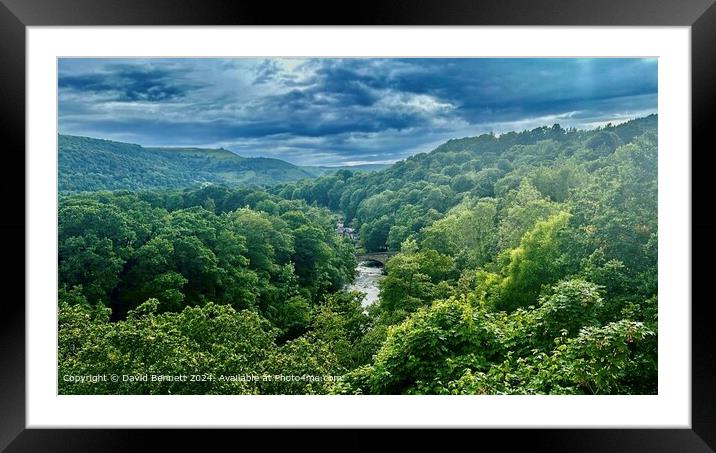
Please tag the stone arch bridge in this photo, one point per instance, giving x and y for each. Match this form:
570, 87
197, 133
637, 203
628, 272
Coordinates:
376, 257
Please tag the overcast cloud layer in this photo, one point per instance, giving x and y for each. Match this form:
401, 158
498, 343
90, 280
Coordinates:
343, 111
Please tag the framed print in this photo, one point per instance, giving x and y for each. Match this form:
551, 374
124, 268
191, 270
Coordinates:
447, 216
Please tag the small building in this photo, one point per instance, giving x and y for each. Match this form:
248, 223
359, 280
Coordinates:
344, 231
350, 233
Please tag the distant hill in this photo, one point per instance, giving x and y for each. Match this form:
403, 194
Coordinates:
322, 171
93, 164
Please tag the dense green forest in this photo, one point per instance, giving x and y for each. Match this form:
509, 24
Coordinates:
525, 263
89, 164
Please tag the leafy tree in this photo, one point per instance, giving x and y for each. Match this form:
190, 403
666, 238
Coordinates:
525, 207
536, 262
432, 346
414, 280
374, 234
466, 233
571, 305
92, 263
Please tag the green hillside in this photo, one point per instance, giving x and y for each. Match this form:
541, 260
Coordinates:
389, 206
87, 164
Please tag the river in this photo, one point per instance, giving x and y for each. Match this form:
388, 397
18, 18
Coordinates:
367, 276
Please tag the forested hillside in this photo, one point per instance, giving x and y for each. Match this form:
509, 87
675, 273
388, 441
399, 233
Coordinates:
88, 164
390, 205
526, 264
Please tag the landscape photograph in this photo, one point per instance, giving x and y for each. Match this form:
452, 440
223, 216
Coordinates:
357, 226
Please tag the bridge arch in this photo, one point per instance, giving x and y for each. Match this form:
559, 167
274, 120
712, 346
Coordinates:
378, 257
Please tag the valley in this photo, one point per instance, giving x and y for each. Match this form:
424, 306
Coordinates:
519, 263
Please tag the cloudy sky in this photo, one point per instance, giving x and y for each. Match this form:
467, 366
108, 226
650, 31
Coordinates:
343, 111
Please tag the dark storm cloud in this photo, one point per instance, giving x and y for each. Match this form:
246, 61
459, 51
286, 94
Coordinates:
332, 111
130, 83
487, 90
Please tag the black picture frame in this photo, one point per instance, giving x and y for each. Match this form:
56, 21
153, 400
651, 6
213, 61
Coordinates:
16, 15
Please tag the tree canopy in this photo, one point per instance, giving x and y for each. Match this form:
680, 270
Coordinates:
524, 263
